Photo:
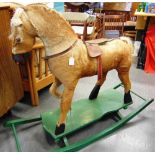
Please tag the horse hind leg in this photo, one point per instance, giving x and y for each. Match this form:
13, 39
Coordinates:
124, 77
95, 91
54, 88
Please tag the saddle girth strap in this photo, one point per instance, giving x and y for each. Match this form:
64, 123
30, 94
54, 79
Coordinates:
99, 68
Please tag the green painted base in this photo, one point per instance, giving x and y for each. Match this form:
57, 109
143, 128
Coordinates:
84, 112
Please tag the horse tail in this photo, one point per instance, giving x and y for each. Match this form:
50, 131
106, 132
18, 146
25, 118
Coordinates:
129, 42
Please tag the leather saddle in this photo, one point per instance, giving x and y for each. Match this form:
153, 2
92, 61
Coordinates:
93, 46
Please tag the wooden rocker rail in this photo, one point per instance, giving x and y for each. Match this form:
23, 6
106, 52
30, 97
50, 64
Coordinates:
121, 121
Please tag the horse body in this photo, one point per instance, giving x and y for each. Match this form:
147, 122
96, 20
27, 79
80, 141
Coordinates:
57, 35
84, 66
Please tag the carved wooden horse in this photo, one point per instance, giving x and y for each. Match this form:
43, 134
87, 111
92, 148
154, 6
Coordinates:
61, 43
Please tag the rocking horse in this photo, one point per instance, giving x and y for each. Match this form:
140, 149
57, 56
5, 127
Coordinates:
61, 45
70, 59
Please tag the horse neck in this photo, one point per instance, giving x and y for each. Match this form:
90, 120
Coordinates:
56, 34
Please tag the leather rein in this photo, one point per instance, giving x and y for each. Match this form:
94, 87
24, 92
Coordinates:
63, 52
69, 48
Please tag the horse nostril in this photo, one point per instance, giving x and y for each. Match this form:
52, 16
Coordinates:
18, 40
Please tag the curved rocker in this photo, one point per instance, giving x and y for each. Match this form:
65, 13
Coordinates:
83, 143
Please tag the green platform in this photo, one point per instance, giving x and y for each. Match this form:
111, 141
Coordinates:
83, 113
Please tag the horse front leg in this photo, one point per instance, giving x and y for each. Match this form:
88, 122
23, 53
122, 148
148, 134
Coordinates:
124, 77
65, 106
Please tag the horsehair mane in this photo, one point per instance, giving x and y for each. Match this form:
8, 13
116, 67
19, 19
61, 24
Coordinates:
51, 25
38, 4
48, 11
16, 21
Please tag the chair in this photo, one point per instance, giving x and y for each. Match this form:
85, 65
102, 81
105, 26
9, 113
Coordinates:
129, 30
35, 72
131, 34
130, 24
82, 23
113, 25
99, 26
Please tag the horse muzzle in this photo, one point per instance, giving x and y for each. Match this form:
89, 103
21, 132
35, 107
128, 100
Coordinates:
21, 58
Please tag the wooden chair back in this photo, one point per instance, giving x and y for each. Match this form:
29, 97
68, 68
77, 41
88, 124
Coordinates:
40, 65
109, 24
99, 26
82, 23
35, 72
114, 22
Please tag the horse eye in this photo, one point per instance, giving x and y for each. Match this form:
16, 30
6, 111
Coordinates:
20, 25
18, 40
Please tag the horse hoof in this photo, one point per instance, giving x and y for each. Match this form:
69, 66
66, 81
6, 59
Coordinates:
128, 98
94, 93
59, 129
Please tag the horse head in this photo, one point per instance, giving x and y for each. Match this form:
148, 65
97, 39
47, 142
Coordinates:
22, 32
40, 21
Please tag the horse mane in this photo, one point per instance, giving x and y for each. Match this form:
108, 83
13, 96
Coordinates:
37, 4
51, 25
41, 8
15, 20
